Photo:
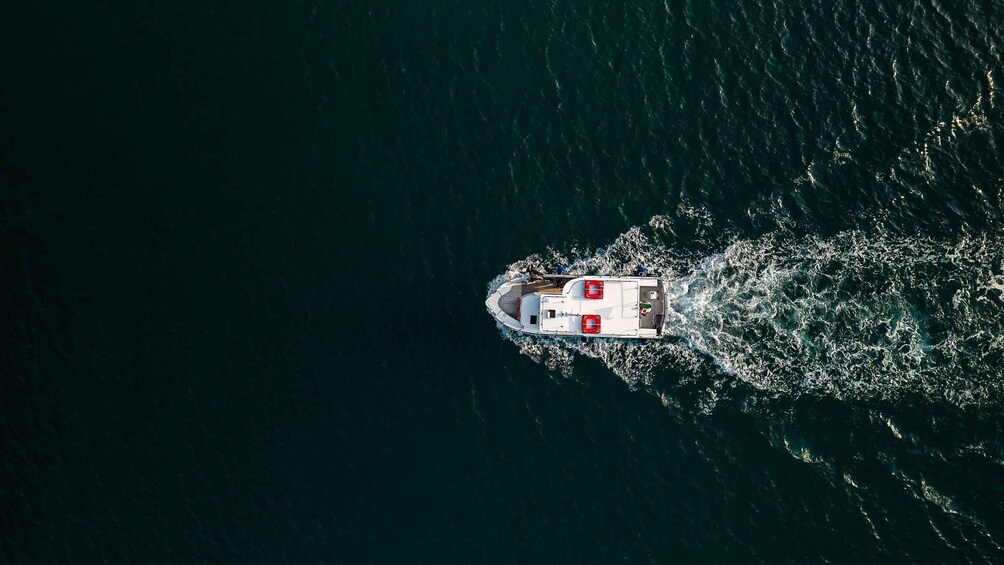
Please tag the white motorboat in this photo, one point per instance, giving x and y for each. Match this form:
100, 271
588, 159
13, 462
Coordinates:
587, 306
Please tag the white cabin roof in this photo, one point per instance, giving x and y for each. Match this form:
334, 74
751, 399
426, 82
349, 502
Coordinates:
618, 309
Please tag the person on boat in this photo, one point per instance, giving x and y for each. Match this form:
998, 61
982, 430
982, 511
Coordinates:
561, 270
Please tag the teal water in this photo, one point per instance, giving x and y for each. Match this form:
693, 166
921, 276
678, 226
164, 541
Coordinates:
246, 247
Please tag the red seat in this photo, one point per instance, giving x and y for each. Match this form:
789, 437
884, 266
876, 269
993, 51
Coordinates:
590, 324
594, 289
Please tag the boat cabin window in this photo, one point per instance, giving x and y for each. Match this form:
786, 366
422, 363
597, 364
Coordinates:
551, 313
533, 320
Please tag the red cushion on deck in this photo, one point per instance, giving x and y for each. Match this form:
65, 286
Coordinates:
594, 289
590, 324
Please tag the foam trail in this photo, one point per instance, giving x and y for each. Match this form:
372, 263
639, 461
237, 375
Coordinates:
855, 316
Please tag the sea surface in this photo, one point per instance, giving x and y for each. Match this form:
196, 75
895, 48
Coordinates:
245, 247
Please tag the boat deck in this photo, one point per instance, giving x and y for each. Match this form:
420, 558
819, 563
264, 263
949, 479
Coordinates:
653, 321
510, 300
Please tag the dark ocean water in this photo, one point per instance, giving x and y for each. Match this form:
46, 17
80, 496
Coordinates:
245, 249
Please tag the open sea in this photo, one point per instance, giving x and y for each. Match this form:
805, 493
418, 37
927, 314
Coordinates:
245, 248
